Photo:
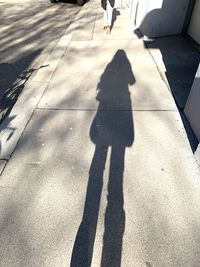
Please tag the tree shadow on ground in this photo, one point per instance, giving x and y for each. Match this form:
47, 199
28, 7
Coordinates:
28, 33
111, 128
13, 78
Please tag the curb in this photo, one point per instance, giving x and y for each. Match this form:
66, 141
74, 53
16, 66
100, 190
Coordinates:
15, 123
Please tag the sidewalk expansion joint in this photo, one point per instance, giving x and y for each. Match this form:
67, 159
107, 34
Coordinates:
119, 110
5, 164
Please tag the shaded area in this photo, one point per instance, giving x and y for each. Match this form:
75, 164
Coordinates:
166, 20
190, 134
53, 221
112, 127
181, 60
28, 33
13, 78
179, 55
43, 240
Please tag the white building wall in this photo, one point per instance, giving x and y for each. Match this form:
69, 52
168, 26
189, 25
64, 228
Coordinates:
194, 27
192, 108
157, 18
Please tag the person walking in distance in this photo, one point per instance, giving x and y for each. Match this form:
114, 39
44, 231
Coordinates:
107, 6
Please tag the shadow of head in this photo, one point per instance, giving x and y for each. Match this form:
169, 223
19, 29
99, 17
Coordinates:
113, 123
116, 13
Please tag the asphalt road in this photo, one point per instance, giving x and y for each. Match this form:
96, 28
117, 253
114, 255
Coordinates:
29, 30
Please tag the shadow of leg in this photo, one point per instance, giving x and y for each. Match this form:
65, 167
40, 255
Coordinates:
115, 215
114, 17
83, 246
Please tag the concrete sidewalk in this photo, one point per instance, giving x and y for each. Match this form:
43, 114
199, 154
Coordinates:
103, 174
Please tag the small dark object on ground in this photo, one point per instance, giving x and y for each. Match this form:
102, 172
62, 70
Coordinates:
79, 2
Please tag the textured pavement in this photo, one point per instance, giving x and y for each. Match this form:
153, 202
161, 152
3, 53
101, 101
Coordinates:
103, 174
29, 31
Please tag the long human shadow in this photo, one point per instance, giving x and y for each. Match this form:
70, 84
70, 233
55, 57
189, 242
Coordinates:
112, 128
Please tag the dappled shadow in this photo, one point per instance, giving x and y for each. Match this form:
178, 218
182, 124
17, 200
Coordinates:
112, 127
32, 25
13, 78
28, 33
50, 192
7, 128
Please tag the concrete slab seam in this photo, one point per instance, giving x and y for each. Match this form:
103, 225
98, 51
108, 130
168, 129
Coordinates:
75, 22
42, 82
15, 124
6, 162
94, 28
68, 34
95, 109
